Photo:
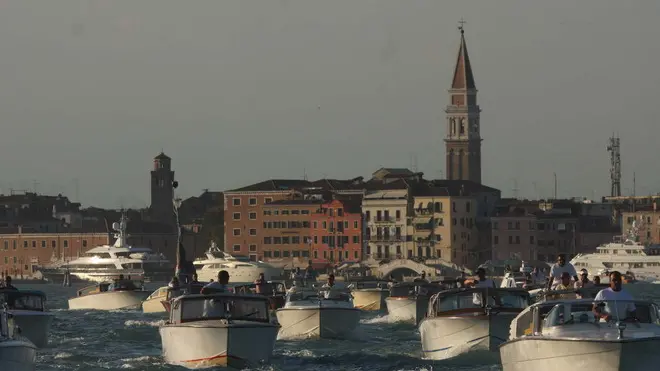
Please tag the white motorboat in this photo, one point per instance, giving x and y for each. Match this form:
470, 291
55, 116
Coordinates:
514, 279
317, 313
105, 263
556, 335
218, 330
17, 353
126, 295
408, 301
470, 323
240, 269
370, 295
160, 300
28, 309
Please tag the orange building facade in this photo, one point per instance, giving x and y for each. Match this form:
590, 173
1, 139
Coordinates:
336, 233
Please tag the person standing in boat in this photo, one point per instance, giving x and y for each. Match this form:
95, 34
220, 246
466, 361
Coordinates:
559, 269
621, 308
8, 284
310, 274
584, 282
260, 283
483, 282
220, 286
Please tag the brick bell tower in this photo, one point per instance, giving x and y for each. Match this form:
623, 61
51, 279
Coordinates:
162, 190
463, 138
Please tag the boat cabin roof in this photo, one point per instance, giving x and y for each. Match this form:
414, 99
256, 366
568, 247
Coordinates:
513, 290
585, 293
23, 299
227, 306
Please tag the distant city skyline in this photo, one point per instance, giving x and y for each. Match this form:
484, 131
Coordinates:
238, 92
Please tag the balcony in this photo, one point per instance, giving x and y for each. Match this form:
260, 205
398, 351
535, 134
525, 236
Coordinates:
384, 238
384, 220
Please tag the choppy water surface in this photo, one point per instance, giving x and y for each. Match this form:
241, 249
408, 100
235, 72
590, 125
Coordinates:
121, 340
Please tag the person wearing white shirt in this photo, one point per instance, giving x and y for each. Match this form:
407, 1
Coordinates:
558, 269
618, 310
219, 286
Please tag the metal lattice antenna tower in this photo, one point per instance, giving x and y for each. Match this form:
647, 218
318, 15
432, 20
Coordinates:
615, 165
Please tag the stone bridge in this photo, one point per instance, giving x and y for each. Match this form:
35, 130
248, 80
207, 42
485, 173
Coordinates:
386, 269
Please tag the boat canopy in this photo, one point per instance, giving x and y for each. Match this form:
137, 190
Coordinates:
23, 299
472, 299
582, 293
226, 306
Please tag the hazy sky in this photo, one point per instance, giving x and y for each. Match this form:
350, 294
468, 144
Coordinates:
239, 91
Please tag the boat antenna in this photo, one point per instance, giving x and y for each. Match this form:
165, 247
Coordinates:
176, 203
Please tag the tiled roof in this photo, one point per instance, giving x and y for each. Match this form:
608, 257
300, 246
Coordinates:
274, 185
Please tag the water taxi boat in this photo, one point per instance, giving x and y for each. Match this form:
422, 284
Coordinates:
408, 301
470, 323
325, 313
126, 295
17, 353
28, 309
566, 334
370, 295
224, 329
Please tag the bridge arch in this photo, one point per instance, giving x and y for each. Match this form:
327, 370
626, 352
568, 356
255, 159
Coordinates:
404, 265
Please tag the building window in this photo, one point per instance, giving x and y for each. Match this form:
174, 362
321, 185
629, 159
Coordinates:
85, 243
236, 216
285, 212
34, 244
65, 243
53, 244
253, 231
325, 225
253, 248
355, 225
43, 244
237, 232
268, 200
531, 239
252, 201
15, 260
6, 260
276, 254
267, 240
237, 248
252, 216
496, 240
267, 254
236, 201
6, 245
467, 206
356, 239
285, 253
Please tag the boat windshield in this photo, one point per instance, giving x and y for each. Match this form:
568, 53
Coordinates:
619, 310
224, 307
267, 289
473, 299
403, 290
23, 300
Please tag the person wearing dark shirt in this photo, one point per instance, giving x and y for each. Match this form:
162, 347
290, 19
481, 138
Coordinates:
8, 284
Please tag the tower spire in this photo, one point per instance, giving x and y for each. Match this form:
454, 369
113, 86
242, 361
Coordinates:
463, 77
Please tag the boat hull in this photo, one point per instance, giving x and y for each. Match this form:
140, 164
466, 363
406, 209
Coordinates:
17, 355
336, 323
539, 354
202, 345
154, 305
403, 309
467, 337
35, 326
370, 299
110, 300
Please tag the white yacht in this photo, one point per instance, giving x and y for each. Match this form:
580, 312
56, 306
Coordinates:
28, 309
226, 330
104, 263
325, 313
16, 352
241, 270
565, 334
470, 323
623, 254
